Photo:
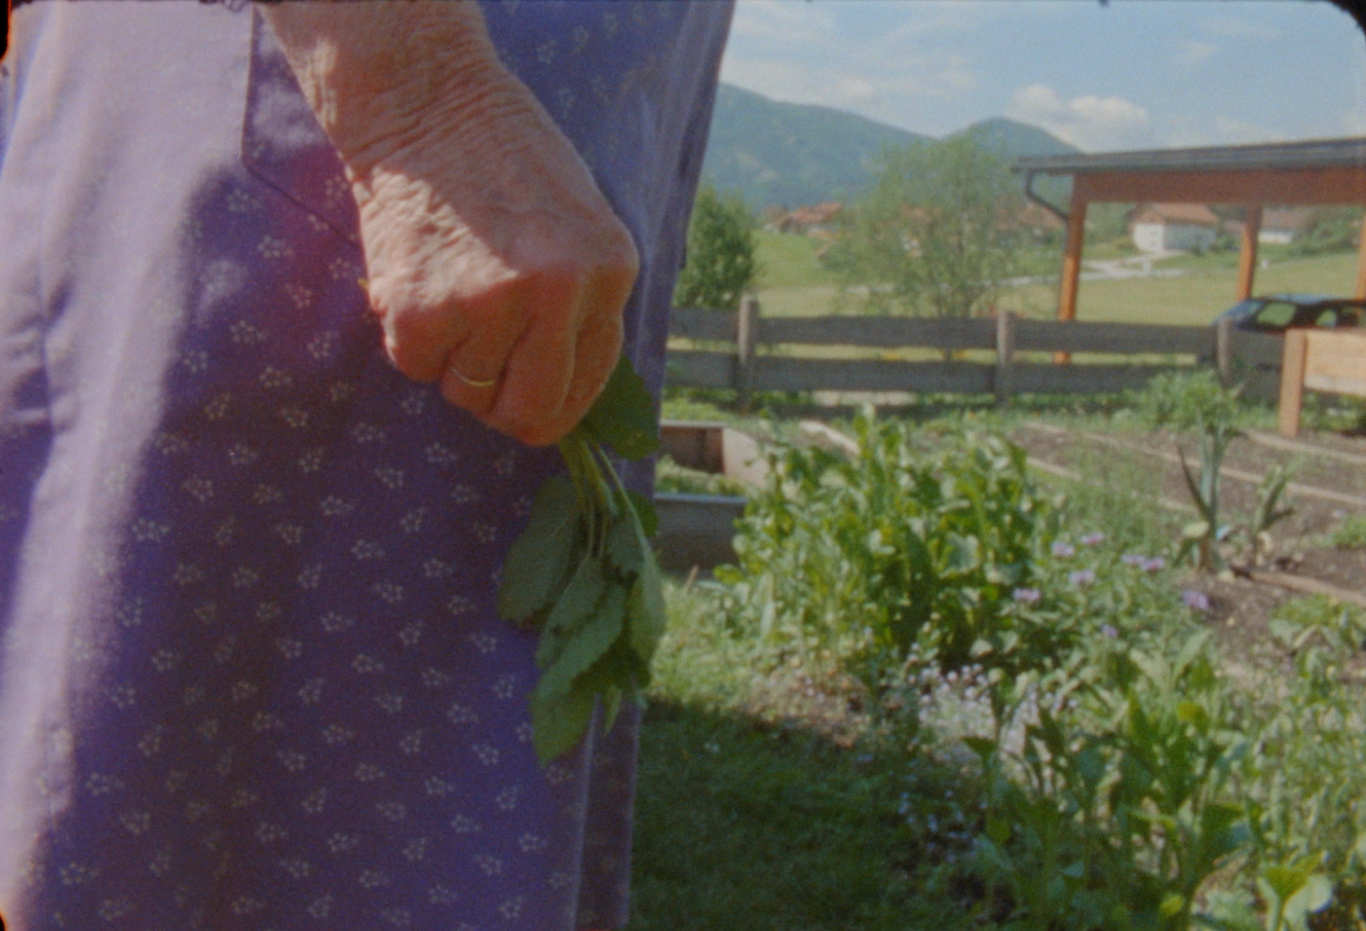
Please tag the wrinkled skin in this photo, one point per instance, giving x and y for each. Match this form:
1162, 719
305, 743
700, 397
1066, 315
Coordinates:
490, 251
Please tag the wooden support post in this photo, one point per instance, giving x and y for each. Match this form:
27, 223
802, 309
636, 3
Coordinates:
1071, 267
1247, 256
1005, 355
1292, 383
746, 337
1361, 264
1223, 350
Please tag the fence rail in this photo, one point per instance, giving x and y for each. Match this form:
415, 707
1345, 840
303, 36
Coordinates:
750, 363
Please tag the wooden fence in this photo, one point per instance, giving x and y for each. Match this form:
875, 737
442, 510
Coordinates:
1320, 360
764, 354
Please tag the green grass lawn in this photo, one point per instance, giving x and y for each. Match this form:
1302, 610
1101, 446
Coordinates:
792, 288
748, 819
788, 260
741, 828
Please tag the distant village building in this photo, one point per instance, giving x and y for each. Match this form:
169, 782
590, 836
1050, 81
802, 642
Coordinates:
815, 220
1282, 225
1173, 227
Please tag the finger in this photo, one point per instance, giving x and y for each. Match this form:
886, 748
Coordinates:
480, 358
418, 342
595, 355
530, 402
475, 395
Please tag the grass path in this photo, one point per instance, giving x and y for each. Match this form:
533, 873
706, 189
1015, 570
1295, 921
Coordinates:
739, 827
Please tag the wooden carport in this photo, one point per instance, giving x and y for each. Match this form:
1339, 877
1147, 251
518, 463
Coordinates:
1320, 172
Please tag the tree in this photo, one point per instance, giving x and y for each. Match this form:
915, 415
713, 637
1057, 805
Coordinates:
720, 262
1334, 229
937, 234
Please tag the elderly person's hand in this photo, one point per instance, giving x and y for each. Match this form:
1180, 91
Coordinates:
494, 262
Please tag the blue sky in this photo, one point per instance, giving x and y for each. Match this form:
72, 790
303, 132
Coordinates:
1127, 75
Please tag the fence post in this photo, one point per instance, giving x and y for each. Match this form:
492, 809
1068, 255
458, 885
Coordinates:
1005, 355
1292, 383
1223, 350
746, 336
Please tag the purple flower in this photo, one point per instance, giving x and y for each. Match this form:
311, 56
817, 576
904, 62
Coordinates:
1152, 565
1027, 595
1081, 577
1091, 539
1063, 550
1133, 559
1197, 601
1108, 630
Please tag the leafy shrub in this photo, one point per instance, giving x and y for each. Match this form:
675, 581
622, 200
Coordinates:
1306, 777
893, 547
1111, 814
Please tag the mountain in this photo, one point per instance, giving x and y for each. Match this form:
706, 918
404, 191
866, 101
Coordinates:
794, 154
1012, 140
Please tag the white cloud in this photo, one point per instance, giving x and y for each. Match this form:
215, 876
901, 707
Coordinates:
1094, 124
887, 61
1190, 52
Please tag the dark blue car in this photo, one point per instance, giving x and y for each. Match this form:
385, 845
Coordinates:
1277, 313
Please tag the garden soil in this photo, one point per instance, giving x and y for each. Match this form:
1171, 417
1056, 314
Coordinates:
1329, 490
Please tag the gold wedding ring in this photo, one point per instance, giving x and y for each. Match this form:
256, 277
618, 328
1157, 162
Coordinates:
472, 382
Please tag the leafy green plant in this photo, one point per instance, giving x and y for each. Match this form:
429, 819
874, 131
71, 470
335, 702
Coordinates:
1268, 512
1112, 812
892, 547
1198, 402
1305, 779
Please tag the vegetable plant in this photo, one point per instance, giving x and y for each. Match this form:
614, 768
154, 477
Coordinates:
1198, 402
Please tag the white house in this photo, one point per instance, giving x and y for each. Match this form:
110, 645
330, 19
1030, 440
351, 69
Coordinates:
1280, 225
1172, 227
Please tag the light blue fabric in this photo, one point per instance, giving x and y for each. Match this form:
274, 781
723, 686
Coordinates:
251, 676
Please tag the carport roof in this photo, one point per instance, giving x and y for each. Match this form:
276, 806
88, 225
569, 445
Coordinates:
1315, 153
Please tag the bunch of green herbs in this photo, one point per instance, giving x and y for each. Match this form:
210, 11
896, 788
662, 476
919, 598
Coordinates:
583, 572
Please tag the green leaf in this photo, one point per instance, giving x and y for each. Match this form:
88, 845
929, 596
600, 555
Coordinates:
558, 724
585, 646
964, 554
573, 610
1313, 896
611, 704
984, 747
625, 550
645, 513
1195, 530
1287, 880
623, 416
645, 614
538, 561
